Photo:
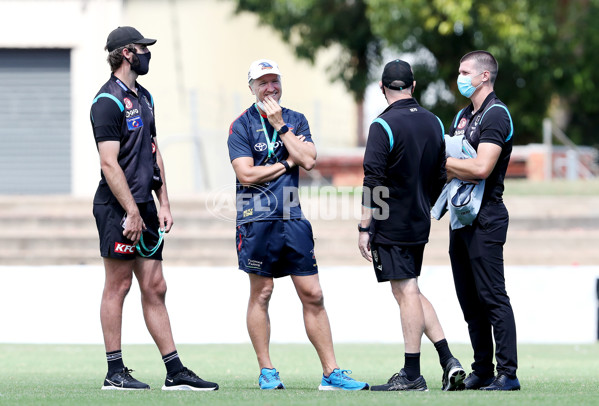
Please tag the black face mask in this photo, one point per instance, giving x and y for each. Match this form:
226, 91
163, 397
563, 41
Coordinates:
141, 64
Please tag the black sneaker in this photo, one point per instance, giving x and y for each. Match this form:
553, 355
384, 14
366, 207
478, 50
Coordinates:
503, 382
400, 381
473, 381
123, 380
453, 376
187, 380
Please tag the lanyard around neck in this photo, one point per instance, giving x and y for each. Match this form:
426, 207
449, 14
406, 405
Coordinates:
269, 143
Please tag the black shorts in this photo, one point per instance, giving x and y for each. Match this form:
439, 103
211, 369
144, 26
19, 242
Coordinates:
113, 244
276, 248
396, 261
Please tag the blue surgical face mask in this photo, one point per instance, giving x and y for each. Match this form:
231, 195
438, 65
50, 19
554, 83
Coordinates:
465, 85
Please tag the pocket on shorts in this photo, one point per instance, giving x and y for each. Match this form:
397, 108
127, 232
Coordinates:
242, 232
306, 226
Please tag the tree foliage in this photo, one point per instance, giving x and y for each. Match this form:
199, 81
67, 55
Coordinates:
511, 31
546, 50
312, 25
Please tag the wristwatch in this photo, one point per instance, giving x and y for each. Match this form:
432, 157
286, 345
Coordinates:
363, 229
283, 130
286, 165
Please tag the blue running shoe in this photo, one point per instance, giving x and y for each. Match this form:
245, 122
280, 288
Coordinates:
269, 379
340, 380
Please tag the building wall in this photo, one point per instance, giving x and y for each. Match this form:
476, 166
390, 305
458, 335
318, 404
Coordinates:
198, 77
199, 82
82, 27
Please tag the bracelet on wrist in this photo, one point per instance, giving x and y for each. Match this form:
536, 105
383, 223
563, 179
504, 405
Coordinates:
363, 229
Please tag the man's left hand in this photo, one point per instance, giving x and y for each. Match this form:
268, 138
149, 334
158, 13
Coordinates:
165, 219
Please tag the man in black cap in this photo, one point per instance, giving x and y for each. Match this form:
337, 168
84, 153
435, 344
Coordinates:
404, 172
129, 225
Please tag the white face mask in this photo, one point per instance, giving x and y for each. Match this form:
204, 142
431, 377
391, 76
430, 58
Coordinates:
261, 105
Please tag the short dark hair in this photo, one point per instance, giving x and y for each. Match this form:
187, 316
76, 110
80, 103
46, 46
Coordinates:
115, 58
484, 60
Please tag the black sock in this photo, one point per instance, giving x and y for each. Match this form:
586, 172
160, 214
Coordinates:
412, 365
444, 352
115, 361
172, 363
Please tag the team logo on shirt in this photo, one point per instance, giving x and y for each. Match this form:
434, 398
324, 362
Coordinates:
134, 123
462, 123
128, 103
133, 112
261, 146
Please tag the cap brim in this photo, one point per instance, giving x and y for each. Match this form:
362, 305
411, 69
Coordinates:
273, 72
146, 41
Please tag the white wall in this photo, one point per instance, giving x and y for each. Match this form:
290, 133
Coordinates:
203, 49
81, 26
207, 305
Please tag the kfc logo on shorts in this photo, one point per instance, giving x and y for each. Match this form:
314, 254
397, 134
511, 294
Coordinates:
128, 103
121, 248
153, 148
462, 123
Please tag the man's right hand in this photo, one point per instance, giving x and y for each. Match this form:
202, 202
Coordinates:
364, 246
134, 225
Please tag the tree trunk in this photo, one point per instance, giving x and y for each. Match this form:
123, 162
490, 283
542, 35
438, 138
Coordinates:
360, 123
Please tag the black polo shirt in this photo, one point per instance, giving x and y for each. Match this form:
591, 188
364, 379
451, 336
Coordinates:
119, 114
491, 123
405, 153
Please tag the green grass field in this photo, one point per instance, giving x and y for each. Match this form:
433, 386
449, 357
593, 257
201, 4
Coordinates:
556, 187
72, 375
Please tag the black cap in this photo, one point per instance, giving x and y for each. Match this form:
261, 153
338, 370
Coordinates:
398, 75
126, 35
